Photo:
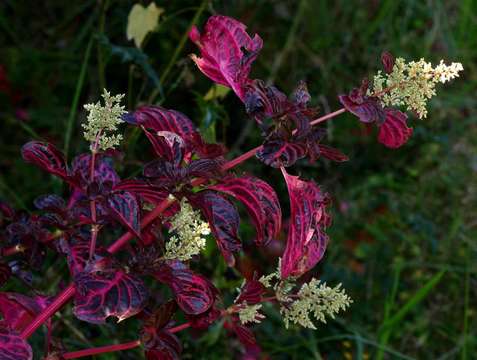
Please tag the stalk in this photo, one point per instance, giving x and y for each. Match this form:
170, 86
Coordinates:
66, 294
101, 350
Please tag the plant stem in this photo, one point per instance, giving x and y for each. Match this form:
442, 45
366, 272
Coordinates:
66, 294
49, 311
101, 350
179, 328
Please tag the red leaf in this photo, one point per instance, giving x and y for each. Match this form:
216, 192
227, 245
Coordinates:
394, 132
148, 192
223, 219
227, 52
103, 289
332, 153
13, 347
306, 241
158, 342
103, 169
167, 145
193, 293
368, 109
18, 310
251, 292
261, 202
388, 61
46, 157
158, 118
278, 152
126, 209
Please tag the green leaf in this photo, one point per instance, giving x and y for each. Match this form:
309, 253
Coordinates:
142, 21
216, 91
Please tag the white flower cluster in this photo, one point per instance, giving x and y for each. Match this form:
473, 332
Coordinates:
249, 313
317, 299
314, 298
189, 235
103, 121
413, 84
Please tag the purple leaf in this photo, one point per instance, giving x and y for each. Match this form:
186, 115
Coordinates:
126, 209
50, 202
157, 340
223, 219
306, 242
46, 157
103, 173
368, 109
227, 52
393, 132
262, 101
278, 152
193, 292
158, 118
13, 347
332, 153
103, 289
204, 320
261, 202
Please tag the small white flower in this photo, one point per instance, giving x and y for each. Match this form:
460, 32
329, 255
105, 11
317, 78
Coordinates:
103, 121
250, 314
189, 232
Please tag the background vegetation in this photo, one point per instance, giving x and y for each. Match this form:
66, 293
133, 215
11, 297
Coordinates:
404, 236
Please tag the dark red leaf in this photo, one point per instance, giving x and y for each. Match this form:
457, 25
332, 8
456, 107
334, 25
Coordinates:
251, 292
103, 289
193, 293
306, 242
205, 168
227, 52
223, 219
261, 202
158, 342
158, 118
388, 61
13, 347
126, 209
167, 145
262, 101
46, 157
19, 310
394, 132
204, 320
103, 171
368, 109
332, 153
278, 152
148, 192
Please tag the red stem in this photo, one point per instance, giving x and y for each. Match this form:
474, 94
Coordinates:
101, 350
179, 328
66, 294
49, 311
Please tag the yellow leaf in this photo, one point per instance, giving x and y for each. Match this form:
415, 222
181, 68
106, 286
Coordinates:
142, 21
217, 91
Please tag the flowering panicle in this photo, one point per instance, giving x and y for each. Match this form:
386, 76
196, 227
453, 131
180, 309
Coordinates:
317, 299
190, 231
412, 84
103, 121
249, 313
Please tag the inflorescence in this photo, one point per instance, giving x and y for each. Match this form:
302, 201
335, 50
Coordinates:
412, 84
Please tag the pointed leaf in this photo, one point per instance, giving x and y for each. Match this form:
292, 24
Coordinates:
394, 132
141, 21
223, 219
148, 192
261, 202
126, 209
227, 52
277, 153
104, 290
46, 157
306, 242
13, 347
193, 293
